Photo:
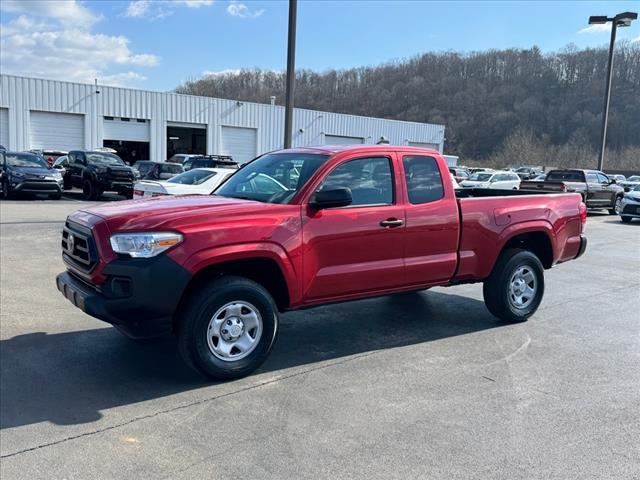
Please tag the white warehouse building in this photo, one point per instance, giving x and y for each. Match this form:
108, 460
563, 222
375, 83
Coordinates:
55, 115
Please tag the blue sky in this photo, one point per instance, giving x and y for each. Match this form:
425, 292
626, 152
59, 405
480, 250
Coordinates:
157, 45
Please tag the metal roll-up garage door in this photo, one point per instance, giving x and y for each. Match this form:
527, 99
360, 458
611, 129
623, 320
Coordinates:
4, 127
56, 131
240, 143
342, 140
130, 130
435, 146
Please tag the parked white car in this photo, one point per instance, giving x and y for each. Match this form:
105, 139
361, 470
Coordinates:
201, 181
498, 180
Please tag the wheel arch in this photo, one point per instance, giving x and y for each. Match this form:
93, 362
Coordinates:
536, 240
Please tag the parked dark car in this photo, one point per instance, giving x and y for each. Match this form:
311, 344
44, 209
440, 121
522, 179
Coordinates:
29, 173
203, 161
596, 188
99, 172
157, 170
528, 173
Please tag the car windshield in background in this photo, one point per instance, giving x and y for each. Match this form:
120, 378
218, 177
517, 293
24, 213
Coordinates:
272, 178
633, 178
143, 167
480, 177
104, 158
25, 160
636, 188
567, 176
193, 177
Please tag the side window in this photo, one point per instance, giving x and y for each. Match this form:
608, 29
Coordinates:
424, 183
369, 179
592, 178
72, 158
602, 178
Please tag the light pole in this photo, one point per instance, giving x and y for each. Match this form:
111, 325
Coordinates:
291, 74
620, 20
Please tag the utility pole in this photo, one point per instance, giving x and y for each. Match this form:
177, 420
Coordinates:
291, 74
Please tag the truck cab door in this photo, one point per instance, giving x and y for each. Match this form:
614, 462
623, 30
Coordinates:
358, 248
433, 225
607, 189
594, 190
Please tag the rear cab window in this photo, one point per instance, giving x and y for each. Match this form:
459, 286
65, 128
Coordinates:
423, 179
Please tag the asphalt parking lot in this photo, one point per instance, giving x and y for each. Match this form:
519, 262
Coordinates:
425, 385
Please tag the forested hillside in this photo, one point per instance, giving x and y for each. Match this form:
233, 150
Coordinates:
546, 108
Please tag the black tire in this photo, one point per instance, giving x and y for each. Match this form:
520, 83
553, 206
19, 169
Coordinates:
195, 317
55, 196
616, 206
90, 191
497, 288
6, 190
626, 219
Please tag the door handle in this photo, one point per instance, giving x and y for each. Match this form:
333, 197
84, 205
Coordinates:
391, 223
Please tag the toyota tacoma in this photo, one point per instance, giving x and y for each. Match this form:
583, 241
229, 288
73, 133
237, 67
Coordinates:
306, 227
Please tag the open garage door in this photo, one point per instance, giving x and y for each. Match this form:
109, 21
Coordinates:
342, 140
435, 146
129, 137
4, 127
56, 131
240, 143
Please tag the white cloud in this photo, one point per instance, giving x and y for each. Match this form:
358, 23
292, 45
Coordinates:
154, 10
56, 47
67, 12
236, 9
597, 28
228, 71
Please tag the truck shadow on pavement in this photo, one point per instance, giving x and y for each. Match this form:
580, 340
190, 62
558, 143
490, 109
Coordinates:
67, 378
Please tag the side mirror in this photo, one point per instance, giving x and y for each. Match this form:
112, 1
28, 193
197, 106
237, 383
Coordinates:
337, 197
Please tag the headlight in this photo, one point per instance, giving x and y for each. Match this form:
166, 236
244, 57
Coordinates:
19, 174
57, 175
144, 245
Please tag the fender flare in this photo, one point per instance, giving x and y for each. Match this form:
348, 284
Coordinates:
210, 257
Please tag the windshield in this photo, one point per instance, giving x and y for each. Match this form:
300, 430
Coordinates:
272, 178
101, 158
636, 188
633, 178
25, 160
193, 177
143, 167
480, 177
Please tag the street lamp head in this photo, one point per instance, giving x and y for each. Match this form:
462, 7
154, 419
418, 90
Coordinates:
598, 19
625, 19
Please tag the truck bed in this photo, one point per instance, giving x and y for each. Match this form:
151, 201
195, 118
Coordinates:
488, 217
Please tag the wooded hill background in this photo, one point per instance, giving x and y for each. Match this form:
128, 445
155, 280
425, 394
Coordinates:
500, 107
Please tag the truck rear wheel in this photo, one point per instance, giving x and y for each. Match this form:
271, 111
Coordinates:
227, 327
515, 288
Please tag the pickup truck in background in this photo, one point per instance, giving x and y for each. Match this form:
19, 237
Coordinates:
305, 227
596, 188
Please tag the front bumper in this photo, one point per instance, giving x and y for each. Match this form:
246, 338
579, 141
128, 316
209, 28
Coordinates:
630, 209
139, 297
38, 186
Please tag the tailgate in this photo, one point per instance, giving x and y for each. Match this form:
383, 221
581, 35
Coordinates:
148, 188
543, 185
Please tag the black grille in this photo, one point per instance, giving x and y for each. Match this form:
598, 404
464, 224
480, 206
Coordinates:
632, 209
122, 174
82, 250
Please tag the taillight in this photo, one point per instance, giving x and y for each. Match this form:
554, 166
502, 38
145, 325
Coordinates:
158, 194
138, 193
583, 213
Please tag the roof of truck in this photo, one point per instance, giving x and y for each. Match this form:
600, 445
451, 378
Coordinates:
330, 149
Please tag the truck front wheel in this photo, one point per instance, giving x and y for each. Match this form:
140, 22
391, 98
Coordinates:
514, 289
227, 327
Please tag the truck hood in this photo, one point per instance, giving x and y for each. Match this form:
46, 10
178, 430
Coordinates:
171, 212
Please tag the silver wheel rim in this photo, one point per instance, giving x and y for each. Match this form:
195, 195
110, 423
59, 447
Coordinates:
234, 331
522, 287
616, 207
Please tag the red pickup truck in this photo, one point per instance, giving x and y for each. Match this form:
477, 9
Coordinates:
305, 227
